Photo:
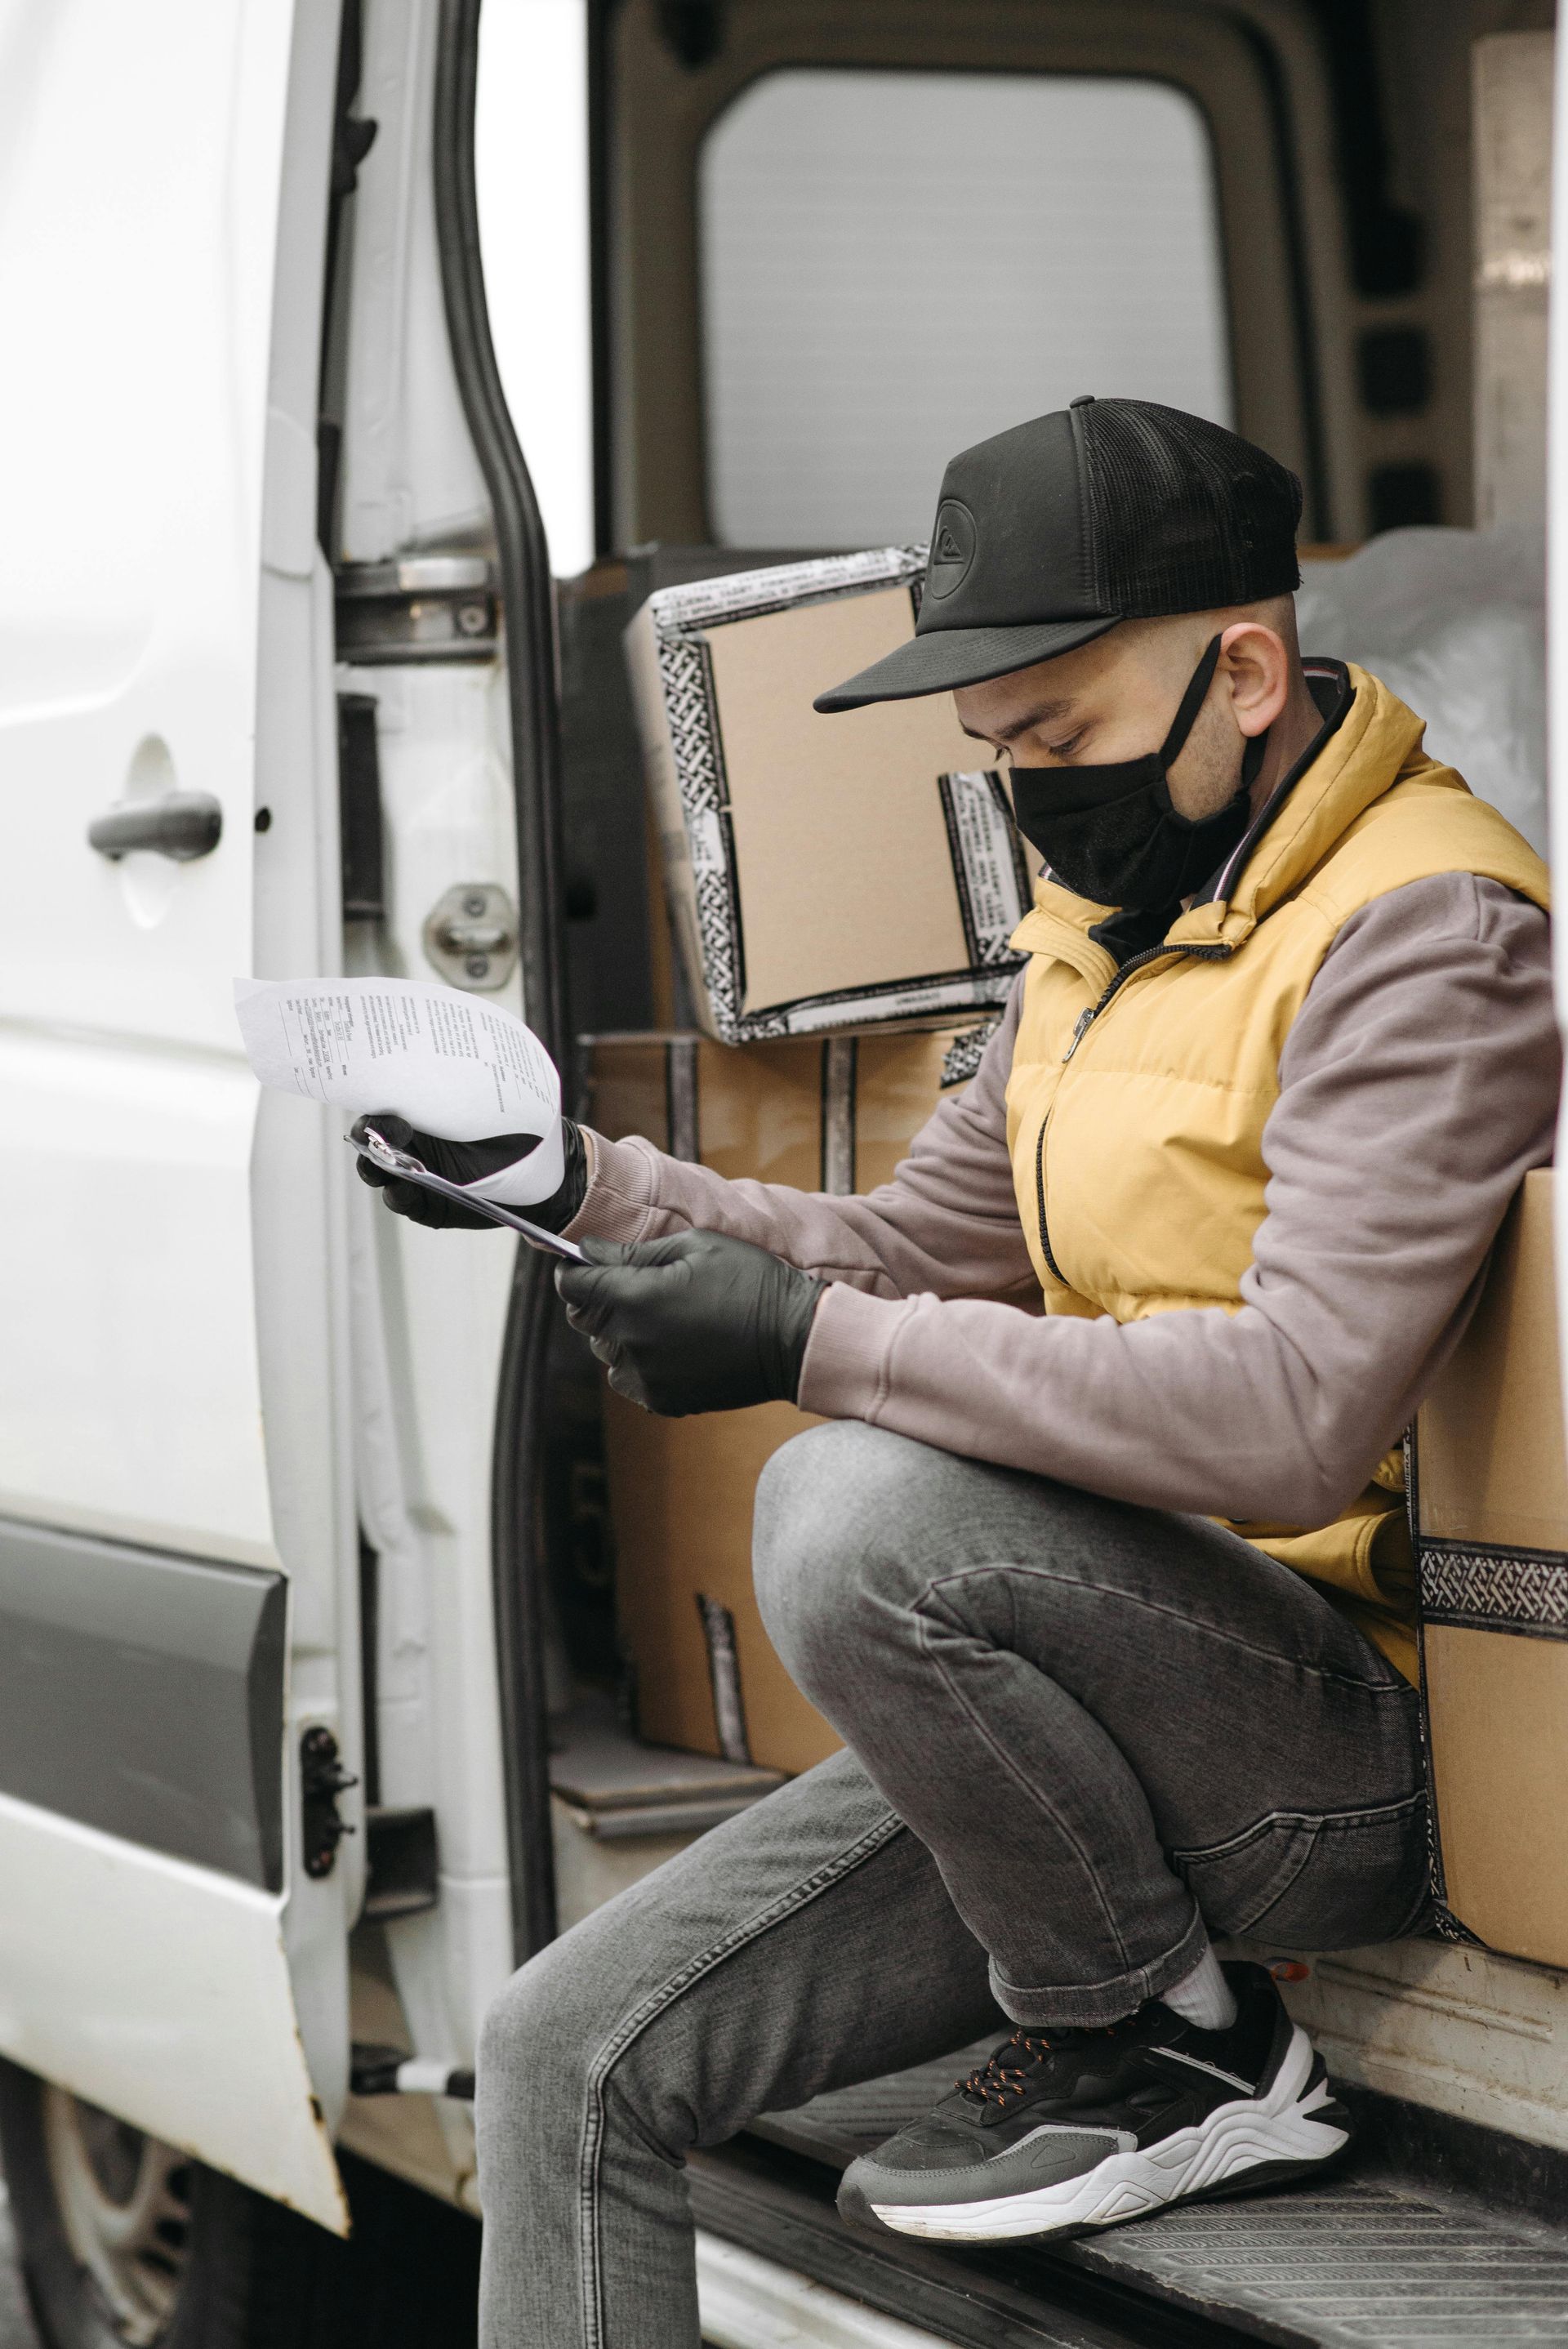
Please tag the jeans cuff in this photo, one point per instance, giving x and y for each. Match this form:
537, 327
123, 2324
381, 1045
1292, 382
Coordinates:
1088, 2005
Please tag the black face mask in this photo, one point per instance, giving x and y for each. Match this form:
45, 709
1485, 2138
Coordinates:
1111, 833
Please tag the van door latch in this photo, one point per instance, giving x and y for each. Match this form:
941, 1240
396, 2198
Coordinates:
322, 1779
470, 935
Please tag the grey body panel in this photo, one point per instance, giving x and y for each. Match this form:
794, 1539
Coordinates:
143, 1694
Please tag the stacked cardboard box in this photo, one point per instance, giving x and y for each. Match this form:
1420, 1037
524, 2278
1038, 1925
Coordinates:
1491, 1514
835, 1114
821, 873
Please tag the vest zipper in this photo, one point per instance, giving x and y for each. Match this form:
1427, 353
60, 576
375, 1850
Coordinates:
1087, 1018
1040, 1202
1084, 1022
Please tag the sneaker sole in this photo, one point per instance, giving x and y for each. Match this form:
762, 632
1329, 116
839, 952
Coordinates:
1294, 2126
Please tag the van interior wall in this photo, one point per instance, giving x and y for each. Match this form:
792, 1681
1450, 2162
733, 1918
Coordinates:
678, 76
1394, 80
1424, 52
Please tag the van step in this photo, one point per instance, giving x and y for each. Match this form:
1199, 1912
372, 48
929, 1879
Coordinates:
1358, 2261
1369, 2265
781, 2206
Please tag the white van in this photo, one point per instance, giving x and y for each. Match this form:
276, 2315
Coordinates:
305, 1591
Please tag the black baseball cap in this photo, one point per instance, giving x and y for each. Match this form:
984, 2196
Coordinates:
1049, 534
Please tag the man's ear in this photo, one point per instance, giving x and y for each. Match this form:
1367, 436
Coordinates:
1257, 664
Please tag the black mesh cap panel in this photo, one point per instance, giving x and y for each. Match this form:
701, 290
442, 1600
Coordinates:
1049, 535
1187, 516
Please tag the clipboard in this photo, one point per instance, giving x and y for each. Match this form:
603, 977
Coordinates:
381, 1154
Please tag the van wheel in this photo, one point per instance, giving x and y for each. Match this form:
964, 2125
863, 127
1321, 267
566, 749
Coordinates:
125, 2243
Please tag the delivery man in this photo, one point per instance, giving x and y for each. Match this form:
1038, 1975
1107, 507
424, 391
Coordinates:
1101, 1570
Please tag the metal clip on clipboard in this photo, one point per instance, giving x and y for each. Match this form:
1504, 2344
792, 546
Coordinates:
381, 1154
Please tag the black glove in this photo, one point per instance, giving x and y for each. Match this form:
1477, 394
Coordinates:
696, 1322
467, 1162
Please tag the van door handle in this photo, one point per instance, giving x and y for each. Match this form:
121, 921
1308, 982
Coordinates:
181, 824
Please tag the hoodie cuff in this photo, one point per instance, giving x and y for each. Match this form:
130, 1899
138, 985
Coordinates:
846, 1370
618, 1204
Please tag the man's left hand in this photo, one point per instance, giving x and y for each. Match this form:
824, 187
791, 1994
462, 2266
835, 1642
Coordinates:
695, 1322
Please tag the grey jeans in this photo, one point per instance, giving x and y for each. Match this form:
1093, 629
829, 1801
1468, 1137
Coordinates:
1081, 1734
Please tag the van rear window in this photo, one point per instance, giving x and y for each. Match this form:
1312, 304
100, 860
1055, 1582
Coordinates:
896, 265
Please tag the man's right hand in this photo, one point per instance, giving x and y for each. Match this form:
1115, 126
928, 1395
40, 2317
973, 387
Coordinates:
468, 1162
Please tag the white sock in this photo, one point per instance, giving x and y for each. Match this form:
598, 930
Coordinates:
1203, 1997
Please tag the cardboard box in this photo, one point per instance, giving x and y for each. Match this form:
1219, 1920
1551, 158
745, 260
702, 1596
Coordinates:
835, 1114
1492, 1511
680, 1501
821, 873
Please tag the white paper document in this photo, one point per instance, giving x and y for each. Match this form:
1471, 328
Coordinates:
450, 1063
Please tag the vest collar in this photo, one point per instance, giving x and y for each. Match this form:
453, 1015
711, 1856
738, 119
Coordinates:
1360, 760
1334, 694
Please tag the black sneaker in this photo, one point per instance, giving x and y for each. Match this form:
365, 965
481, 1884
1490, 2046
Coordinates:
1066, 2130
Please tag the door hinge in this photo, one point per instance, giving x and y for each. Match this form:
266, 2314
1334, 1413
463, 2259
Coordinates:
418, 608
321, 1778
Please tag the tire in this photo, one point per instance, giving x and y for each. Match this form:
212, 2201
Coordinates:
125, 2243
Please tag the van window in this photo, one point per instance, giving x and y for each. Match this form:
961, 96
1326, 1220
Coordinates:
896, 265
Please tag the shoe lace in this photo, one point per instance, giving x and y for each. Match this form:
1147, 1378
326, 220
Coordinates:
1004, 2074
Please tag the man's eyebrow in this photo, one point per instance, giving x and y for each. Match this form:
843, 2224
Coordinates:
1041, 713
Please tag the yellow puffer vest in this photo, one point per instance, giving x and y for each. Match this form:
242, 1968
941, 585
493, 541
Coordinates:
1138, 1149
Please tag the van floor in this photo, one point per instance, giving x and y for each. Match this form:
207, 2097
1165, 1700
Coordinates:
1374, 2257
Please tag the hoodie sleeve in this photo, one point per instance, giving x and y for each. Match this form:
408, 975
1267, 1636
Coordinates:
1418, 1085
946, 1223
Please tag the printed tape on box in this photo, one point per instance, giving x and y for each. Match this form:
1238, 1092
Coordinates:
992, 882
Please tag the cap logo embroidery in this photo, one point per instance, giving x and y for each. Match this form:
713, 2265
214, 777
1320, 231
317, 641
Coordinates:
952, 548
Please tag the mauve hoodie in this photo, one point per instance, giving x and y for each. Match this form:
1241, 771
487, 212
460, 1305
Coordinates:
1417, 1086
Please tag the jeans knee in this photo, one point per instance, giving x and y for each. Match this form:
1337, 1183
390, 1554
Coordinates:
549, 2031
561, 2039
825, 1532
533, 2035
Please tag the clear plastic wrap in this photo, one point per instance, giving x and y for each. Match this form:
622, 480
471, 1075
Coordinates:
1453, 621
